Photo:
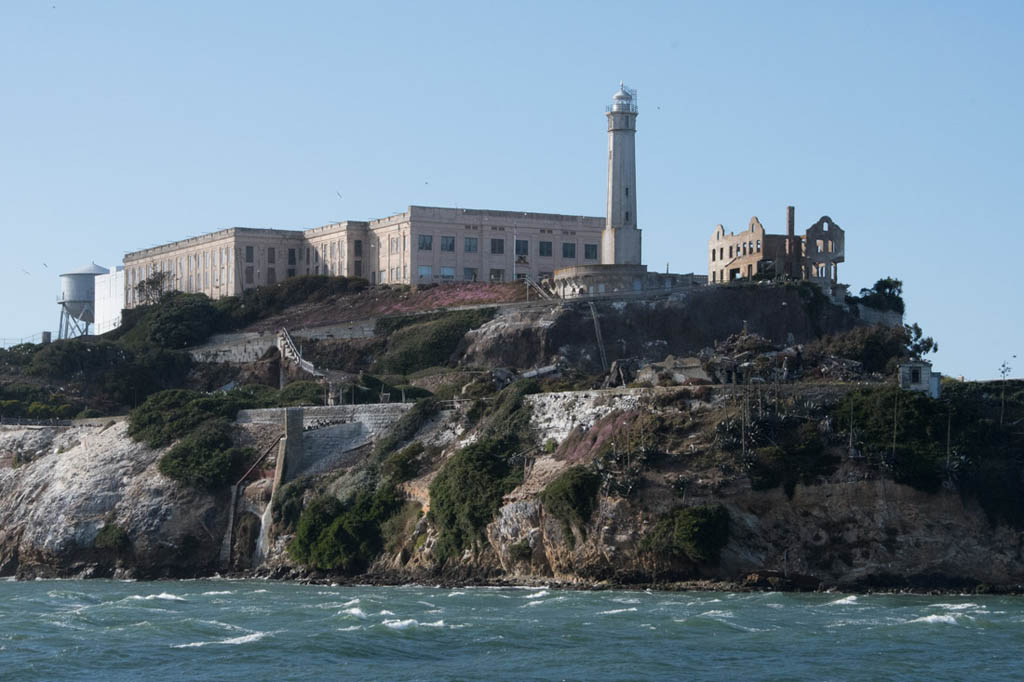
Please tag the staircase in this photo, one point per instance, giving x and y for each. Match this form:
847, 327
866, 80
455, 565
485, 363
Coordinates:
600, 341
289, 352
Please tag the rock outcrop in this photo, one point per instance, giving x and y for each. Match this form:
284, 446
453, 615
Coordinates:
84, 478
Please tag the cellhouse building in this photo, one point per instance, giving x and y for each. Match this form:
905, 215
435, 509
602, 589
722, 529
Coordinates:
427, 244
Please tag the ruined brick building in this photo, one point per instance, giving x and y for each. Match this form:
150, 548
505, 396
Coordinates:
815, 256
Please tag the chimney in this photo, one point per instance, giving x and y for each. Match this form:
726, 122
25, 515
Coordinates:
790, 221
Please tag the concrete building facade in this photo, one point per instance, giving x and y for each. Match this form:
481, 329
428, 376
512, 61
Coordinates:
421, 245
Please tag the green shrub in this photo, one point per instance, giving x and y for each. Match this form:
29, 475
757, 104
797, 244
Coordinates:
112, 537
336, 536
287, 506
697, 533
301, 393
427, 344
520, 551
467, 492
800, 457
572, 497
402, 465
169, 415
206, 458
508, 416
406, 427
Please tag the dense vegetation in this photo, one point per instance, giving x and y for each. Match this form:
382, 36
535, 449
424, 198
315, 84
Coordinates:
467, 492
878, 348
885, 294
694, 533
967, 440
572, 497
206, 457
344, 536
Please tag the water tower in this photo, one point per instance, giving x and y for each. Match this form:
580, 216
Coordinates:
77, 300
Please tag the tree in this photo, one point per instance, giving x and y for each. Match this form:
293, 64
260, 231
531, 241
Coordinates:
886, 294
1004, 371
152, 288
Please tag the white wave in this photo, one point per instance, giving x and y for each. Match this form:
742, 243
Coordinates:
433, 611
385, 612
456, 594
244, 639
626, 600
934, 619
165, 596
426, 603
533, 603
435, 624
396, 624
956, 607
356, 611
260, 591
350, 628
718, 614
351, 602
608, 613
217, 592
852, 599
537, 595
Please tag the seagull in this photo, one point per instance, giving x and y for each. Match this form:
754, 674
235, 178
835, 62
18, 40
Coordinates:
46, 266
339, 194
26, 272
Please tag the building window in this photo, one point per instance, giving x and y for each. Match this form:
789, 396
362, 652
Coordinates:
291, 272
271, 276
248, 256
448, 244
522, 247
357, 267
291, 256
627, 191
497, 246
915, 375
316, 255
359, 248
627, 216
316, 269
470, 245
425, 272
590, 251
497, 275
447, 273
248, 274
469, 274
426, 242
271, 256
545, 249
568, 250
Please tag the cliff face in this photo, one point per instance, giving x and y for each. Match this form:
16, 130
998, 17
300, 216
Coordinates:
850, 529
680, 324
81, 479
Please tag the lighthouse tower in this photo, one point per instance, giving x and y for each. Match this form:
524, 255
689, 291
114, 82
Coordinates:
620, 241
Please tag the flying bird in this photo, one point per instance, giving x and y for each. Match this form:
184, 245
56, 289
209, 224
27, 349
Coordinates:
26, 272
339, 194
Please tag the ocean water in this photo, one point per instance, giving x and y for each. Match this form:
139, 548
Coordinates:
253, 630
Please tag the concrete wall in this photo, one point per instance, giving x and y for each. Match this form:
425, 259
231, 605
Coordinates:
110, 300
889, 318
377, 418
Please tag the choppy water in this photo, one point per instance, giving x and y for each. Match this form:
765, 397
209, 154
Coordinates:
249, 630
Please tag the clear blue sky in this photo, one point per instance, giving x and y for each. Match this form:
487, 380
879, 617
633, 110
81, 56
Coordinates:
128, 124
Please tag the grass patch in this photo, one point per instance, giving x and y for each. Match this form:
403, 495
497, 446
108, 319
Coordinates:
415, 345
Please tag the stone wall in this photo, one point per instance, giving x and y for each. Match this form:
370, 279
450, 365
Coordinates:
889, 318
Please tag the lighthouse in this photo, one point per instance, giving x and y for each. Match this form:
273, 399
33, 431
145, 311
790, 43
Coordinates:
620, 240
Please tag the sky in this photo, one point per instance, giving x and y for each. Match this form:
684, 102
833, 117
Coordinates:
125, 124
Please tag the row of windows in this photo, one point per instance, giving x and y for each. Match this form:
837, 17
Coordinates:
741, 249
472, 245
